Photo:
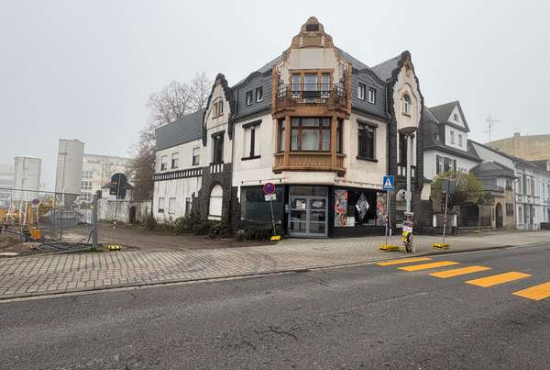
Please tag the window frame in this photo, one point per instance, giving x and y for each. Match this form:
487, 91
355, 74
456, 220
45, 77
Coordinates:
249, 98
163, 162
170, 210
361, 91
195, 156
159, 208
364, 129
251, 128
175, 158
300, 129
371, 95
281, 137
452, 137
406, 104
259, 94
217, 147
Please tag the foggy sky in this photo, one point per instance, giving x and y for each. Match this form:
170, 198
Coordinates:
84, 69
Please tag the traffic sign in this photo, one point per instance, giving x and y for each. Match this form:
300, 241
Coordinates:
388, 183
269, 188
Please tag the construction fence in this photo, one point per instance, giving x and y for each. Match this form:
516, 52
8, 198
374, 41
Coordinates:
53, 220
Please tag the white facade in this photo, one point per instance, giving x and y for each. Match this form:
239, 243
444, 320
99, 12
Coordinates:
431, 165
97, 171
69, 167
531, 188
27, 172
6, 184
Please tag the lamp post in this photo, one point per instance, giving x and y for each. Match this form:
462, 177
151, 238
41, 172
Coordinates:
408, 132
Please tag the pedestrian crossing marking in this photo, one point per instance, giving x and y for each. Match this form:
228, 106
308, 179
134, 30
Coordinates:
458, 272
403, 261
536, 292
490, 281
426, 266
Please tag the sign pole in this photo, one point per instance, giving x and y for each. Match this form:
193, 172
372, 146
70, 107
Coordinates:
272, 218
387, 214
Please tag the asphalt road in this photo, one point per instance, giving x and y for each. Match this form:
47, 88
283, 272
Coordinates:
368, 317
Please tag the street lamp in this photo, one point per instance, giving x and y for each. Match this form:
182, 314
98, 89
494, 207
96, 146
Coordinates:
408, 132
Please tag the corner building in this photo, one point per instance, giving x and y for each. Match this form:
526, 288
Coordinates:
321, 125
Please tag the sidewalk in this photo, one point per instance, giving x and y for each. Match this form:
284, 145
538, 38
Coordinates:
54, 274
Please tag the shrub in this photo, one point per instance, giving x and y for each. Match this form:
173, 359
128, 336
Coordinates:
187, 224
150, 223
222, 229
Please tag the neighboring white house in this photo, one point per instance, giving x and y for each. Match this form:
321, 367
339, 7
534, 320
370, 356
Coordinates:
531, 187
446, 145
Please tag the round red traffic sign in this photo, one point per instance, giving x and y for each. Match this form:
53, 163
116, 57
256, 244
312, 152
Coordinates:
269, 188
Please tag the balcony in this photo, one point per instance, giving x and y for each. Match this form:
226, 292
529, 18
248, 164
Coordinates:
309, 161
333, 96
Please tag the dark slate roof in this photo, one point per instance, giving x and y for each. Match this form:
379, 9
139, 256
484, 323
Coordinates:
428, 116
542, 164
443, 112
492, 169
431, 142
519, 161
385, 69
355, 63
266, 68
184, 130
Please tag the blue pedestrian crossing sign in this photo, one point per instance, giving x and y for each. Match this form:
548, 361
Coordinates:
388, 183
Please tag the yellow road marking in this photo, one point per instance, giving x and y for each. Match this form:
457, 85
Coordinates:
458, 272
403, 261
536, 292
426, 266
498, 279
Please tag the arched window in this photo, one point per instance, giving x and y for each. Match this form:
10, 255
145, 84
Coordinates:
406, 104
215, 206
455, 117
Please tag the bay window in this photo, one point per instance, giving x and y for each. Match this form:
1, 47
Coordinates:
310, 134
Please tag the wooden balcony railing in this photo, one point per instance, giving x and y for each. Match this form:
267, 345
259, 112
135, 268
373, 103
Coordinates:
309, 161
331, 95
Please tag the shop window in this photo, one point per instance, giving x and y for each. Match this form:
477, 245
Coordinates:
359, 208
215, 204
255, 209
366, 141
310, 134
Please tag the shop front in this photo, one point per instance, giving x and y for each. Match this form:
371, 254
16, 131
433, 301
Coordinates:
309, 211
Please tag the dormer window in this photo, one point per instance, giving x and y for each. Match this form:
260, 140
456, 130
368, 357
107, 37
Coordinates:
406, 104
259, 94
249, 98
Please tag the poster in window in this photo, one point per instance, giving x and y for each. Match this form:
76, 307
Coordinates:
340, 208
362, 206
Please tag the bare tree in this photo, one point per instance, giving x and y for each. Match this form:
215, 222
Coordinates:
169, 104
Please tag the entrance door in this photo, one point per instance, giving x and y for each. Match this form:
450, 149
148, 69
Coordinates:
499, 216
308, 216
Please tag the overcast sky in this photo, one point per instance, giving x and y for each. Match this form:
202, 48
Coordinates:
84, 69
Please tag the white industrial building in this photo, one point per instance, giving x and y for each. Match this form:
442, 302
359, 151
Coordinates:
6, 184
97, 171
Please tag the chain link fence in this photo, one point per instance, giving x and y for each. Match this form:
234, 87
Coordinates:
48, 220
